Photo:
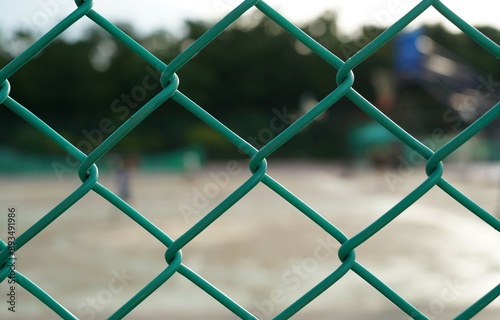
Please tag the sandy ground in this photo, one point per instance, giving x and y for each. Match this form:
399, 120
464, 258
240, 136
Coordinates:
263, 252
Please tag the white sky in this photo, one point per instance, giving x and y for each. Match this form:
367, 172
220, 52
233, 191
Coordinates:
148, 15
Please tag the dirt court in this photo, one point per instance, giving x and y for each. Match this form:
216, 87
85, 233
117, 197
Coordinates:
263, 253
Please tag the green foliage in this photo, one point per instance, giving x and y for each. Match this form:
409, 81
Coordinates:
242, 78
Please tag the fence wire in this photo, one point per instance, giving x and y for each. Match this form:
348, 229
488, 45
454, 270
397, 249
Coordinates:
88, 171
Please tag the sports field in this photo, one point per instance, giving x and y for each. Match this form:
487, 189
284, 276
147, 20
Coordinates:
263, 252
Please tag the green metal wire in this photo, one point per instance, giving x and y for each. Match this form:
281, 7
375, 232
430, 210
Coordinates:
88, 171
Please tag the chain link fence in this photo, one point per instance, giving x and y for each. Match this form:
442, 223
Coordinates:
88, 171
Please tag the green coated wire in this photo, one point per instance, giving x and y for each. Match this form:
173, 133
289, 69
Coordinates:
88, 171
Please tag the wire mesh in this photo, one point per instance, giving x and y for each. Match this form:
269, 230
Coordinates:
88, 171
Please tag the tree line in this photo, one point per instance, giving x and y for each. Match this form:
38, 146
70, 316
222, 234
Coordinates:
255, 79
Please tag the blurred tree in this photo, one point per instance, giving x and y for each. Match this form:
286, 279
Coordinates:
246, 77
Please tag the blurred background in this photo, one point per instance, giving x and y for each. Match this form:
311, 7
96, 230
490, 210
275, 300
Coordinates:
431, 77
255, 78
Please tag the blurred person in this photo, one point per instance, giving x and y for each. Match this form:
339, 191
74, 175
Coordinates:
124, 167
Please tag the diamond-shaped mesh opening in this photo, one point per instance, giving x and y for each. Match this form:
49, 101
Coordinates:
269, 113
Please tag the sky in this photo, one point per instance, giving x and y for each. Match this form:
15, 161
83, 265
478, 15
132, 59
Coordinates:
149, 15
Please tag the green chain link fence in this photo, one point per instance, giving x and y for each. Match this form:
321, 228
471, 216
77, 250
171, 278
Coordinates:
88, 171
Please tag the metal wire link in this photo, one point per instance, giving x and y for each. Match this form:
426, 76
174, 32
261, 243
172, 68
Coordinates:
88, 171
